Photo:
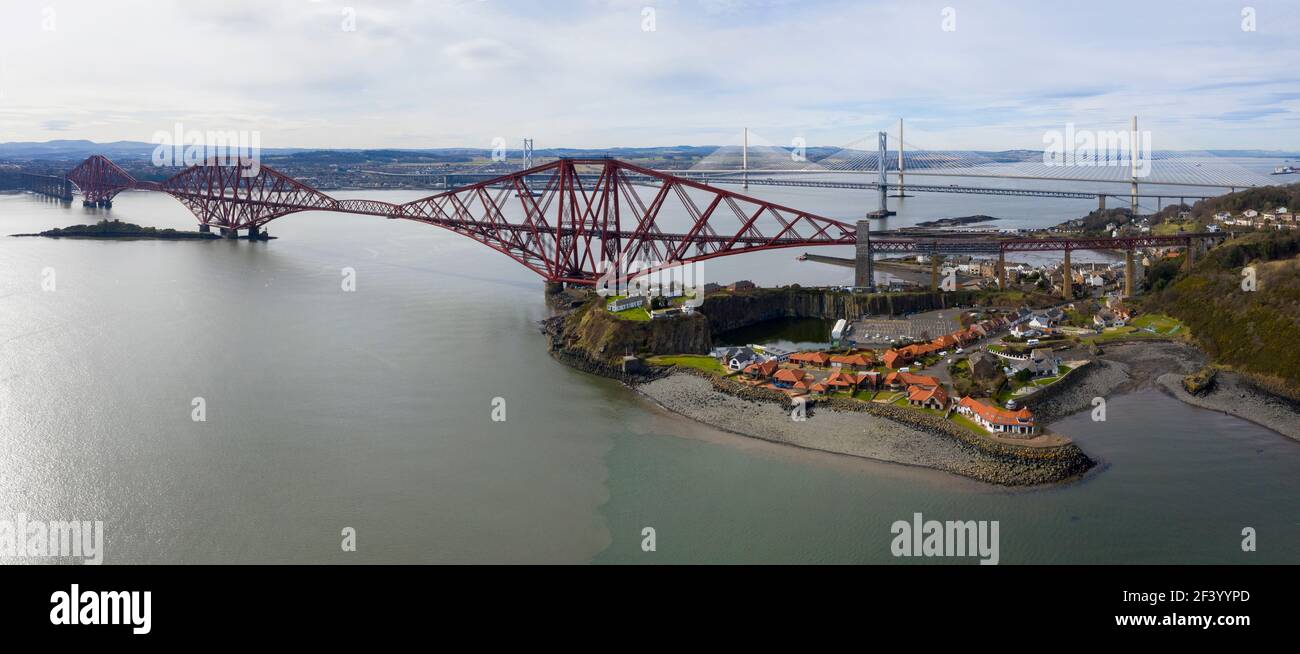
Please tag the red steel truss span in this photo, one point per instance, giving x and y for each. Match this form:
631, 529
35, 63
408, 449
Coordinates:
567, 220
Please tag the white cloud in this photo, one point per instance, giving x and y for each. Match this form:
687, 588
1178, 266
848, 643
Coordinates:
425, 73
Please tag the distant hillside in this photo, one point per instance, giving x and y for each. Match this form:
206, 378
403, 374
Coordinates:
1253, 332
1261, 198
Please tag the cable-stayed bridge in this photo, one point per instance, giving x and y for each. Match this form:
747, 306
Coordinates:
1117, 169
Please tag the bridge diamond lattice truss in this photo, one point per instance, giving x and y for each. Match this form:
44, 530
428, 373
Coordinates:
571, 220
567, 220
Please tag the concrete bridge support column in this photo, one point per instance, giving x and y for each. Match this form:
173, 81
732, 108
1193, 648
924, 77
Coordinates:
226, 232
863, 267
1190, 260
1067, 280
206, 229
252, 234
1130, 274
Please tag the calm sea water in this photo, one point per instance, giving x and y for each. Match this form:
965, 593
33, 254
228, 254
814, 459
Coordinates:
373, 410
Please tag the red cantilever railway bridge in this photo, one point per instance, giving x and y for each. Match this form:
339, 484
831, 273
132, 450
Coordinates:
564, 220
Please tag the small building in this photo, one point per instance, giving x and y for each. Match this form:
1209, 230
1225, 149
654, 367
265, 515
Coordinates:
1025, 331
998, 421
761, 369
897, 380
742, 285
818, 359
779, 353
869, 379
982, 365
894, 359
629, 302
660, 314
1109, 317
736, 358
855, 361
1040, 363
931, 398
838, 331
788, 378
841, 382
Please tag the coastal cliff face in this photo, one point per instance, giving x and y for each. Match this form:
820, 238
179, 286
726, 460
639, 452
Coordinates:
727, 311
589, 332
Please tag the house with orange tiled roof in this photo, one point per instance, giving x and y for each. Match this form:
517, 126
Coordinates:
895, 359
869, 379
855, 361
898, 380
761, 370
819, 387
931, 398
841, 381
819, 359
946, 342
998, 421
788, 378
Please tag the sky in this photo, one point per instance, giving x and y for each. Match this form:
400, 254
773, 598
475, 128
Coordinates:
605, 73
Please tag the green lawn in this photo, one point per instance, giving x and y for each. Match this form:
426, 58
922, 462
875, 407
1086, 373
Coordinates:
635, 313
967, 423
697, 361
1162, 324
1163, 327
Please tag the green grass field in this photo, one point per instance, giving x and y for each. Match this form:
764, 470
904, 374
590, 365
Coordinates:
696, 361
1161, 326
638, 314
967, 423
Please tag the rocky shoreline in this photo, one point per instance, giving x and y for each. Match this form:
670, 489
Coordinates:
1161, 365
891, 434
860, 432
1236, 396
